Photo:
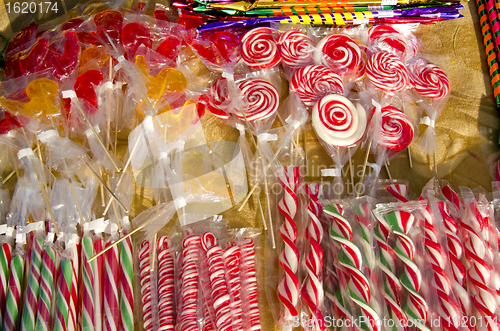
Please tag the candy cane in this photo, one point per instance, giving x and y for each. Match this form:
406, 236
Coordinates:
44, 306
351, 260
111, 321
189, 283
75, 264
478, 269
165, 284
399, 191
87, 307
145, 274
98, 284
411, 279
288, 288
5, 257
13, 299
231, 257
449, 310
63, 301
312, 292
392, 286
249, 285
127, 284
220, 291
33, 289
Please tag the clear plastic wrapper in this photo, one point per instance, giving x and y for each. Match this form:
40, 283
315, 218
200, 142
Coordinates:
396, 39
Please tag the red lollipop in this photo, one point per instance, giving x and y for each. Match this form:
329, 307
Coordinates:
85, 85
8, 123
169, 47
497, 172
63, 64
109, 23
134, 35
71, 24
227, 44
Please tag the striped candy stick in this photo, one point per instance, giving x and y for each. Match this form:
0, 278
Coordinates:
44, 308
111, 320
165, 284
288, 287
399, 191
145, 275
5, 257
231, 256
31, 300
489, 45
190, 282
13, 299
87, 297
388, 262
313, 292
63, 298
127, 284
98, 284
449, 311
478, 269
350, 258
249, 285
74, 249
416, 307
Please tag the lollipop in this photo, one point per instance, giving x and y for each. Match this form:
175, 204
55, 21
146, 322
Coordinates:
429, 80
340, 53
260, 99
295, 49
313, 82
259, 49
337, 121
388, 39
387, 72
218, 99
397, 130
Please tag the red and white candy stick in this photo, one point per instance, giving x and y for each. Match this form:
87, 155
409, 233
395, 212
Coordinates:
312, 291
5, 257
220, 292
74, 248
449, 311
475, 225
189, 283
145, 275
259, 49
98, 284
296, 49
88, 272
232, 255
249, 286
165, 284
313, 82
288, 287
399, 191
387, 72
111, 321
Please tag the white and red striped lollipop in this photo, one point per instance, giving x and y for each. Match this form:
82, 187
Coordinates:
388, 39
260, 99
429, 80
337, 121
296, 49
218, 99
313, 82
387, 72
259, 49
397, 130
340, 53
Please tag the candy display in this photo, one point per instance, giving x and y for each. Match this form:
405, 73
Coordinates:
113, 115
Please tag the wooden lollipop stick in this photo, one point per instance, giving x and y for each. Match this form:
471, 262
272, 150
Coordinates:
388, 172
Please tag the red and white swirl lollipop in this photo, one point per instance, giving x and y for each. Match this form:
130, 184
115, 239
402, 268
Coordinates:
340, 53
259, 49
296, 49
429, 80
387, 72
337, 121
313, 82
260, 99
388, 39
397, 130
218, 99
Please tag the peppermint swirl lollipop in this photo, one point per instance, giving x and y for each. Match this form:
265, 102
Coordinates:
260, 99
429, 80
259, 49
295, 49
397, 130
388, 39
387, 72
313, 82
337, 121
340, 53
218, 99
